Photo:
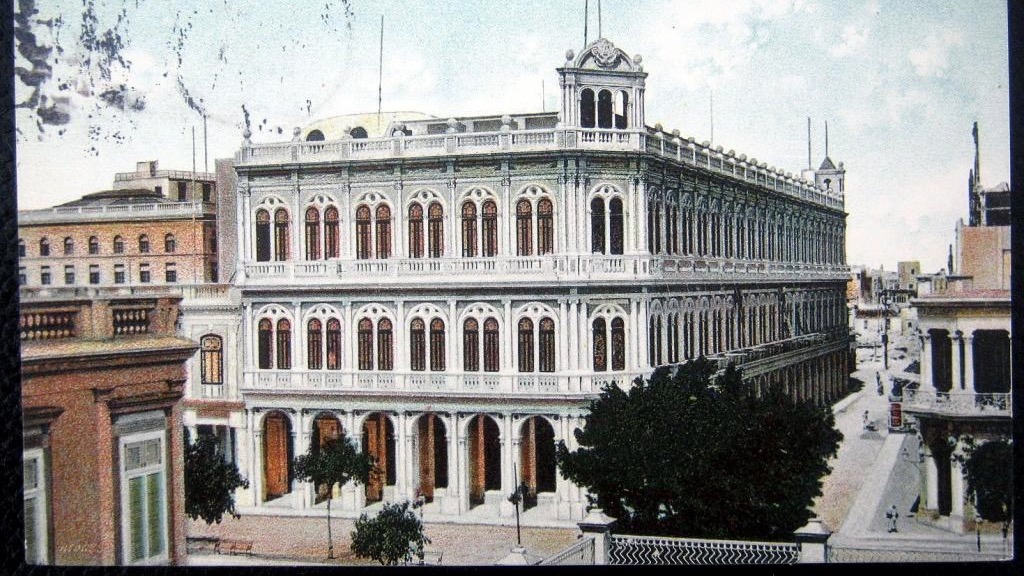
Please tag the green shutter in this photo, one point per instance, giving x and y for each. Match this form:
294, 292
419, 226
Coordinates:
155, 513
136, 504
31, 545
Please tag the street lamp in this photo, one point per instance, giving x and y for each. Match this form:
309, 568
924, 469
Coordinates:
517, 496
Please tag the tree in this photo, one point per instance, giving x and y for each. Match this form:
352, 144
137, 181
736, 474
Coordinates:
988, 469
336, 461
693, 455
210, 481
394, 535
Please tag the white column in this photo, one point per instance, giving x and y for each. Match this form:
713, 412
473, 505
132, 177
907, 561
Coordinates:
632, 335
956, 485
399, 249
244, 228
931, 482
571, 329
955, 343
349, 337
402, 457
641, 336
969, 384
454, 340
257, 466
463, 467
452, 504
565, 224
509, 336
564, 349
926, 363
508, 457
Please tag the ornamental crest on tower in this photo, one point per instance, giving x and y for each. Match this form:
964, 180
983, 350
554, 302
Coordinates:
604, 53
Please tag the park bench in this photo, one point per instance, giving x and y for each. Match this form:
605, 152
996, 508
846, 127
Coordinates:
432, 557
228, 546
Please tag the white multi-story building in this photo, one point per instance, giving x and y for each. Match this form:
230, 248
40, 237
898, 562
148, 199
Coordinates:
452, 293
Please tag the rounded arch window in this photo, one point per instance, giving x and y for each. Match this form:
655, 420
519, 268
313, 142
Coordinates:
315, 136
358, 132
587, 108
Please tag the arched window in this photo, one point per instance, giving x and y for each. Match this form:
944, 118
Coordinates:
489, 228
651, 358
417, 345
658, 347
385, 352
383, 232
314, 345
615, 223
491, 345
547, 345
69, 246
604, 109
333, 344
545, 227
118, 245
170, 243
437, 345
363, 241
265, 344
468, 230
143, 244
284, 344
657, 228
365, 337
315, 136
21, 247
262, 236
587, 115
331, 233
211, 361
415, 231
358, 132
526, 345
621, 109
312, 233
435, 230
597, 226
470, 345
44, 247
618, 344
281, 235
524, 228
600, 345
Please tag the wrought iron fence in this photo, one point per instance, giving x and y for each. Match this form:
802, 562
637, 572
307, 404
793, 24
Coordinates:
580, 553
626, 549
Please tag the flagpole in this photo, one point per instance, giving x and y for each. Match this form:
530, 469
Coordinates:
380, 71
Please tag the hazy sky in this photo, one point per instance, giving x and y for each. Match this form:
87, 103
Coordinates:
899, 82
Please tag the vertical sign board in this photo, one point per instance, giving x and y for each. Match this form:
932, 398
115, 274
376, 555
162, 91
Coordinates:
895, 416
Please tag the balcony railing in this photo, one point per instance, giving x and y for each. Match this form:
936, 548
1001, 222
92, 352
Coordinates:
483, 383
957, 403
541, 268
116, 212
657, 142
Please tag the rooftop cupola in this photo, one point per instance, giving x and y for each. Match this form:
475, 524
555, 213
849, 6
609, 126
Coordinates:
603, 88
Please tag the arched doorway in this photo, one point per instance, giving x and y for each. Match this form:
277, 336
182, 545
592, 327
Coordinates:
379, 442
536, 458
277, 456
941, 453
433, 455
484, 458
326, 428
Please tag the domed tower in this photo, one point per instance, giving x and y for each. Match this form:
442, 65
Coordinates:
602, 88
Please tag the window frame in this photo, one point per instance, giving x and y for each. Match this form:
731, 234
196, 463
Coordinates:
125, 477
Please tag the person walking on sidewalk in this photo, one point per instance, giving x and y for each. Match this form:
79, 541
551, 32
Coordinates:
891, 515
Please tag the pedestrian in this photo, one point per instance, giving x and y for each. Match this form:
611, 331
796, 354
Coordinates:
867, 419
891, 515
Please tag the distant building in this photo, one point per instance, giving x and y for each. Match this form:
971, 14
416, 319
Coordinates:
908, 272
153, 227
964, 327
102, 373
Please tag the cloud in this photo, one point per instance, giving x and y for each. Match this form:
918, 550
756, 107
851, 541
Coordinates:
852, 39
931, 58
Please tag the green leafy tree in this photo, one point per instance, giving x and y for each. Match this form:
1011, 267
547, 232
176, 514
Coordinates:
988, 468
693, 455
210, 481
393, 536
337, 461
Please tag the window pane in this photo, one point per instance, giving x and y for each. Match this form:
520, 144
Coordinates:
31, 543
155, 513
137, 520
470, 346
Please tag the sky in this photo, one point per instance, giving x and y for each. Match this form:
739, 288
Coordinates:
899, 83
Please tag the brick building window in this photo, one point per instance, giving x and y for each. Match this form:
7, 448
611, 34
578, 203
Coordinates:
69, 274
143, 497
21, 248
118, 273
94, 274
22, 278
144, 273
69, 246
170, 244
118, 245
182, 191
143, 244
207, 191
44, 247
94, 245
44, 276
170, 273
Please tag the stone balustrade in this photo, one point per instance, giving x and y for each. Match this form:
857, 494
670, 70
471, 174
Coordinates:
653, 141
957, 403
115, 212
541, 268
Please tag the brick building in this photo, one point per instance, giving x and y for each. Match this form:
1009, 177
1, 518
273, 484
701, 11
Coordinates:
153, 227
101, 378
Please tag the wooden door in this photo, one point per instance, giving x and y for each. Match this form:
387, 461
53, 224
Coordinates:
275, 456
